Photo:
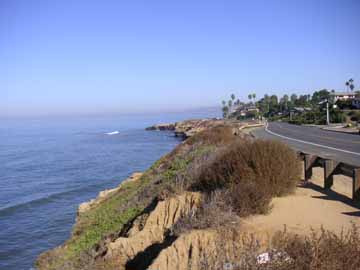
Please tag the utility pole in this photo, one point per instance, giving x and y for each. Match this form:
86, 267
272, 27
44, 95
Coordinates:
327, 113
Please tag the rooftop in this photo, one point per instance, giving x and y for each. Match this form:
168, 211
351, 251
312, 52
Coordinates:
343, 94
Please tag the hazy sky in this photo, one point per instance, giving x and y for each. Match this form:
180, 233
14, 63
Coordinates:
102, 56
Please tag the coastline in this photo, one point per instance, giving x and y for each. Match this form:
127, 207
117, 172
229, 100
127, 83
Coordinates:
134, 226
184, 129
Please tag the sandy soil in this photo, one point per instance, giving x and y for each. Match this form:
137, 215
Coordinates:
312, 207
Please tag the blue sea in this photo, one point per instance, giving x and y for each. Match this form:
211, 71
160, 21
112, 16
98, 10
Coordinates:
48, 166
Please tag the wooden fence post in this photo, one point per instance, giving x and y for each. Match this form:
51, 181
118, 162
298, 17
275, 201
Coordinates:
309, 161
356, 184
329, 167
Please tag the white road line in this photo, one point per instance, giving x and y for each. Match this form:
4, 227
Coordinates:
315, 144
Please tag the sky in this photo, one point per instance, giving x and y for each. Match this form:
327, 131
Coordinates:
84, 56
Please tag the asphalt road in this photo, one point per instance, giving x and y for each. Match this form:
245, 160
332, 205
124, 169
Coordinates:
313, 140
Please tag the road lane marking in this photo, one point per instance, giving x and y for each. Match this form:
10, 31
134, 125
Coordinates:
315, 144
316, 136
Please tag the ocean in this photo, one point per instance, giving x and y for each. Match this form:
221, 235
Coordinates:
48, 166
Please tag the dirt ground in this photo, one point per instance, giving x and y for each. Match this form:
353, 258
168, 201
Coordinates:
311, 207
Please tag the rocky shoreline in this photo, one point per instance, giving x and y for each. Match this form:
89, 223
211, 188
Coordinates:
189, 128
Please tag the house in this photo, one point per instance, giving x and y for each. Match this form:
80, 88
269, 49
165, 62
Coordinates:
342, 95
245, 110
302, 109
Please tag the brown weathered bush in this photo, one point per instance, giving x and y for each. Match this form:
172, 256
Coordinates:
214, 212
248, 198
253, 172
216, 136
240, 179
271, 165
326, 250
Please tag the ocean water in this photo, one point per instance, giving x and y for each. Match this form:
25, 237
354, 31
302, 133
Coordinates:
49, 166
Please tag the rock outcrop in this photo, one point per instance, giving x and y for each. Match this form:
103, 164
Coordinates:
162, 127
187, 252
154, 231
189, 128
199, 249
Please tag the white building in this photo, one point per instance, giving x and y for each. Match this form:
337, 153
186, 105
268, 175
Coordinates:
342, 95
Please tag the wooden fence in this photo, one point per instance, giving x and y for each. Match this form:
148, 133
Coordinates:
331, 168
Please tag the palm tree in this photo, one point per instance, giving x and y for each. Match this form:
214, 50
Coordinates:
232, 97
351, 85
225, 110
250, 97
347, 85
254, 96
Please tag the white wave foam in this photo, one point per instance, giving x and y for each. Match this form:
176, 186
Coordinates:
112, 133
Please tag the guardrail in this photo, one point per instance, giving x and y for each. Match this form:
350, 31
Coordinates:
331, 168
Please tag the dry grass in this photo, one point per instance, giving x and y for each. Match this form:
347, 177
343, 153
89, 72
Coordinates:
220, 135
323, 251
214, 212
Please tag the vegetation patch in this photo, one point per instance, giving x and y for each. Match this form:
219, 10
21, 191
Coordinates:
318, 251
240, 180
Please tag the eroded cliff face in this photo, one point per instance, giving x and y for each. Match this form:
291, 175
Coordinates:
210, 248
188, 252
154, 231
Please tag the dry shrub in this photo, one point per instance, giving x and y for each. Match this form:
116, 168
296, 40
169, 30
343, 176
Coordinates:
214, 212
248, 198
318, 251
241, 179
326, 250
253, 170
215, 136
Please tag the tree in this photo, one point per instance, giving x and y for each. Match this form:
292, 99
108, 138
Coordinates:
254, 96
351, 85
225, 111
320, 96
293, 98
286, 100
232, 97
250, 97
273, 106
